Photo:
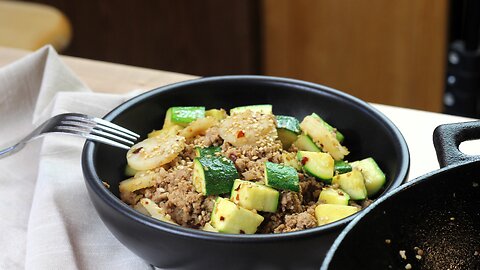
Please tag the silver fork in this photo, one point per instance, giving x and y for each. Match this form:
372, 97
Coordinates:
82, 125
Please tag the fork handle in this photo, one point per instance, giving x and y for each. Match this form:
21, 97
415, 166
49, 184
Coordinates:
10, 150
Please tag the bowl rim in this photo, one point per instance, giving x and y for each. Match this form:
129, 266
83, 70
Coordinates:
96, 185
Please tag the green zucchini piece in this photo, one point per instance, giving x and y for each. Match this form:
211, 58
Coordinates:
207, 151
251, 196
328, 213
263, 108
287, 137
288, 122
290, 159
341, 166
281, 177
305, 143
330, 195
338, 134
168, 119
227, 217
213, 175
209, 228
217, 114
323, 138
352, 183
182, 116
373, 175
288, 128
317, 164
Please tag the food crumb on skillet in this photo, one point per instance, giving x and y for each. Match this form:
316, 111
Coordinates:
408, 266
419, 251
402, 254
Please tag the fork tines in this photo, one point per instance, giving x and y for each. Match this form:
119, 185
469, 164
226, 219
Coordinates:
96, 129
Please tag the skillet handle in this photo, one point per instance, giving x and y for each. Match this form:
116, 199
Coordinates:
447, 138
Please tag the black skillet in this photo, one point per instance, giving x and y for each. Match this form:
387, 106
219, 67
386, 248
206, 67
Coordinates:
438, 213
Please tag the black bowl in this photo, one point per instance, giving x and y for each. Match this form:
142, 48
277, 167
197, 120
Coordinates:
367, 133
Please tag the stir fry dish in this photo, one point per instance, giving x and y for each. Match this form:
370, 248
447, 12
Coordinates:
247, 171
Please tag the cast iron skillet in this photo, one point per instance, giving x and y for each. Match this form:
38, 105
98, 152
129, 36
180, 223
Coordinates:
438, 213
367, 133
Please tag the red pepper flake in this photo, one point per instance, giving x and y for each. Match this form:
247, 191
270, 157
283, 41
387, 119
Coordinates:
222, 218
242, 232
233, 157
146, 202
237, 188
304, 160
240, 134
238, 197
136, 151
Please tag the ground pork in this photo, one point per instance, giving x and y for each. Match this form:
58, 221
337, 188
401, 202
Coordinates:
175, 193
250, 159
291, 202
309, 187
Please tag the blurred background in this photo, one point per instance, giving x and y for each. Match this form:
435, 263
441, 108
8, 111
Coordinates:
408, 53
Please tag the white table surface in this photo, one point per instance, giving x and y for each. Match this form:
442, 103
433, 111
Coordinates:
417, 128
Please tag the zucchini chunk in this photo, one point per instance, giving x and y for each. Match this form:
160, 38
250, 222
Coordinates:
209, 228
182, 116
323, 138
227, 217
373, 175
328, 213
290, 159
330, 195
288, 128
341, 166
217, 114
213, 175
263, 108
317, 164
338, 134
352, 183
281, 177
155, 211
251, 196
207, 151
305, 143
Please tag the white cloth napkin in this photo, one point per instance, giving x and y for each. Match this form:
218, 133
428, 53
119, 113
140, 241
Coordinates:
46, 218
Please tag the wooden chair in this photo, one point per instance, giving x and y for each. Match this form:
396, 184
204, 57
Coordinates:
30, 26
